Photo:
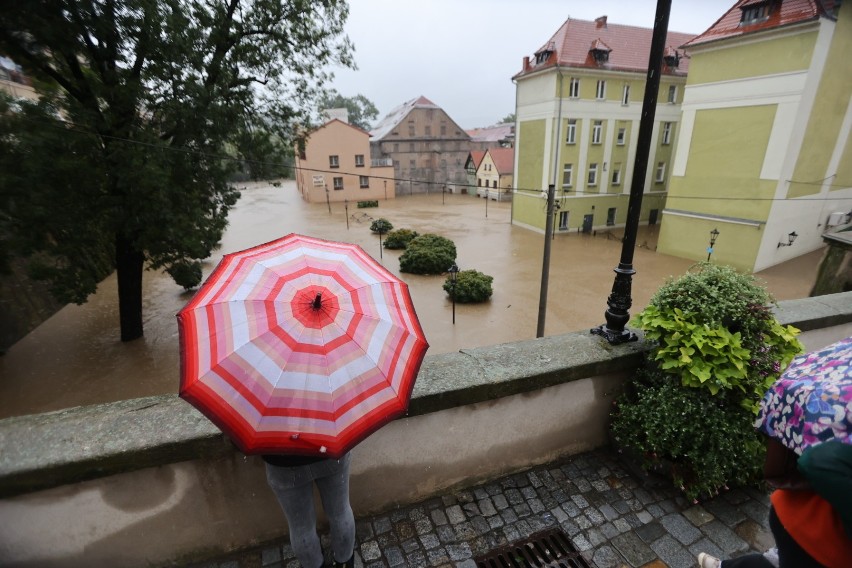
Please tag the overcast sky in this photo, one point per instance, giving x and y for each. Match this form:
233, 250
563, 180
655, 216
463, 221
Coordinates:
461, 54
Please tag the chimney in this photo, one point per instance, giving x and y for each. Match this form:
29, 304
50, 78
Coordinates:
600, 22
526, 63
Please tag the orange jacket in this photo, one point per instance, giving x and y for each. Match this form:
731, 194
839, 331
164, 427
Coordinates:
814, 525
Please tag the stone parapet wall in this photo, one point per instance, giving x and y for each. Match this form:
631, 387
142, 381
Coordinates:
101, 484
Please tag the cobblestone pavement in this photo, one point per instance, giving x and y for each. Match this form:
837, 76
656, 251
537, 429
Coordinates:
611, 516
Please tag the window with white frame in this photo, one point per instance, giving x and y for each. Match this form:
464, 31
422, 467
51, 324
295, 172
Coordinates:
338, 183
574, 88
661, 172
600, 91
333, 162
672, 93
754, 12
364, 181
567, 176
592, 179
563, 220
571, 131
625, 94
619, 139
359, 160
616, 174
667, 133
597, 131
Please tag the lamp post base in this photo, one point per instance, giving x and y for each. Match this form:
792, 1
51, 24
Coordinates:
614, 337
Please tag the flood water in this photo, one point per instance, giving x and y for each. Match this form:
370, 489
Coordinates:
75, 358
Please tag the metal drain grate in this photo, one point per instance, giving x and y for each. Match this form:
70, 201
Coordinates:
551, 548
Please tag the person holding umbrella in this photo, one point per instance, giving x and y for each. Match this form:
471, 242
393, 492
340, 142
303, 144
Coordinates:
292, 479
298, 349
806, 414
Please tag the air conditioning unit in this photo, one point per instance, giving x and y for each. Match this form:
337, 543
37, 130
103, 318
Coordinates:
836, 218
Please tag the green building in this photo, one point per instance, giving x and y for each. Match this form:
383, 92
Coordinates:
578, 106
763, 151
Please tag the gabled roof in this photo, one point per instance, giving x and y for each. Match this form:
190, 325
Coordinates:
395, 116
494, 133
782, 13
333, 120
504, 159
627, 47
475, 156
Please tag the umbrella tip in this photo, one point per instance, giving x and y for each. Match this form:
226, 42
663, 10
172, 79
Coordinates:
317, 303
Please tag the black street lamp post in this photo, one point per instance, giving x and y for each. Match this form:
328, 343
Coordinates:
714, 234
453, 270
619, 301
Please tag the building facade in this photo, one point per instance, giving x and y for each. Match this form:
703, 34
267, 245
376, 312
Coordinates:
579, 101
336, 166
764, 149
495, 174
427, 148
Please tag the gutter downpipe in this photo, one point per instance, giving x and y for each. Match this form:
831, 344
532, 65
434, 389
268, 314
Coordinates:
549, 221
618, 304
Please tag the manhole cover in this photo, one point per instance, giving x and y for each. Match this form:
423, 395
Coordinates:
549, 548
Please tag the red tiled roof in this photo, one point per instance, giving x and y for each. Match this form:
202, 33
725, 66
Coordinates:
789, 12
504, 159
629, 47
476, 157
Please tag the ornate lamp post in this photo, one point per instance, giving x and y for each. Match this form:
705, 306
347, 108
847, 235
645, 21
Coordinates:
453, 270
619, 301
714, 234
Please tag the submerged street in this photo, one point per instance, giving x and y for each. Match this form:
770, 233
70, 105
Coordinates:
75, 358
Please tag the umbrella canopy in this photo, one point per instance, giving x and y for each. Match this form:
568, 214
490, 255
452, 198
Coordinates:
300, 346
812, 401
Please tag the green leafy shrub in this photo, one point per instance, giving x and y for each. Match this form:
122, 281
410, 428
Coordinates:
428, 254
471, 287
703, 443
186, 273
399, 238
717, 348
381, 225
365, 204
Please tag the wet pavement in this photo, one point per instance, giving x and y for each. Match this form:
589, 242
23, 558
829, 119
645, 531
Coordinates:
75, 357
613, 518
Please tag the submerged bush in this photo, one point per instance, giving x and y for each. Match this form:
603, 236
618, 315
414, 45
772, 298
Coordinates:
471, 287
428, 254
399, 238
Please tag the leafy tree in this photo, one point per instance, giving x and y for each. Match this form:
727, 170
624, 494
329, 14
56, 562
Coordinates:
508, 118
381, 225
399, 238
362, 111
470, 287
123, 162
428, 254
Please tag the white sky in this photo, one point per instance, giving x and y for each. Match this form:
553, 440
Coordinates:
461, 54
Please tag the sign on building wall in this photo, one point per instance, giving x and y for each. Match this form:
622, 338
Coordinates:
319, 181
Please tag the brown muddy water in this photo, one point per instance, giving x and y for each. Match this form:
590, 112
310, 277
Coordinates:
75, 357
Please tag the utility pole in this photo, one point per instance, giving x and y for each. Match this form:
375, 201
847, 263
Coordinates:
545, 264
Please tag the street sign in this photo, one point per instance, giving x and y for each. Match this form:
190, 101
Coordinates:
319, 181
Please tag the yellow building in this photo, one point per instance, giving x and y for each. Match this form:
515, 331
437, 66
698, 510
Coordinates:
335, 165
494, 174
578, 107
765, 153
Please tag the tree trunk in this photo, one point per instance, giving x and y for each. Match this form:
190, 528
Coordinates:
129, 263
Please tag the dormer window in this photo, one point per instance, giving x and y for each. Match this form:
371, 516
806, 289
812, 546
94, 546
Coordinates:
671, 58
600, 52
755, 12
542, 56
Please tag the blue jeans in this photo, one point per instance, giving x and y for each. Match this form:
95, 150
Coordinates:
293, 486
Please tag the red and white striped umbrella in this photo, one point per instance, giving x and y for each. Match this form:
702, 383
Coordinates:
300, 346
